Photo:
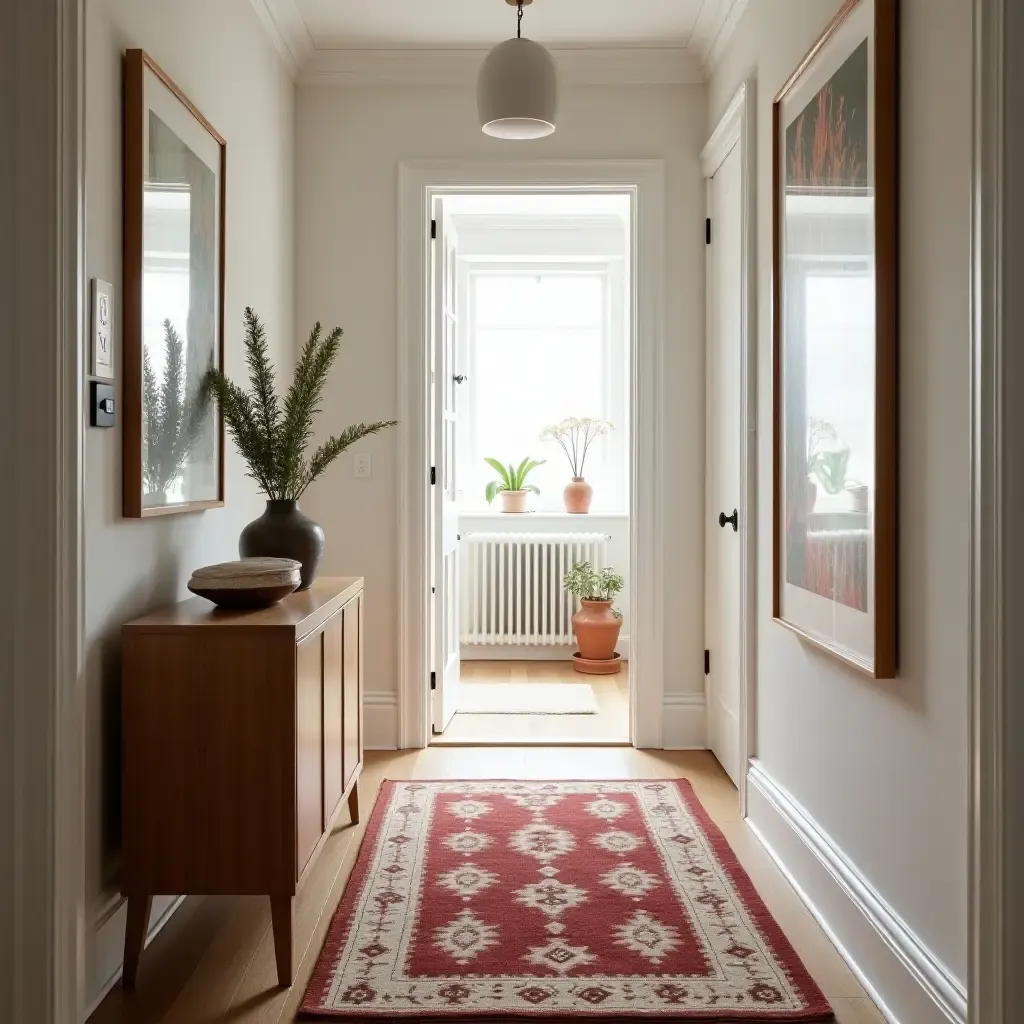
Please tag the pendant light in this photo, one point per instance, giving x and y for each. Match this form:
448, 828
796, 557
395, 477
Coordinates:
517, 90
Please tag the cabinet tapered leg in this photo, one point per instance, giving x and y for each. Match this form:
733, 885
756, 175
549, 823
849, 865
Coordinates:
281, 920
353, 803
135, 937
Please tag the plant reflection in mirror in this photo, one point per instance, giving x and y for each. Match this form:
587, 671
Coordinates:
172, 420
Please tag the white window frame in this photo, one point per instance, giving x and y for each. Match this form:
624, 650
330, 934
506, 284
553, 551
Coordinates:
611, 270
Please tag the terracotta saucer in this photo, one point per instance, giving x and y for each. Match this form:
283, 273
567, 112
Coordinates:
590, 667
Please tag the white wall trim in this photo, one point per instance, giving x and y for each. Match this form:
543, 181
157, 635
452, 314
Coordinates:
380, 720
995, 938
738, 127
644, 181
515, 652
684, 718
655, 65
725, 33
287, 30
107, 959
42, 728
923, 967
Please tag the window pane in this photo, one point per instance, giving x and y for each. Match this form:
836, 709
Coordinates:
552, 300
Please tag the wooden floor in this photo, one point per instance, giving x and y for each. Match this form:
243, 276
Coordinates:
214, 961
609, 725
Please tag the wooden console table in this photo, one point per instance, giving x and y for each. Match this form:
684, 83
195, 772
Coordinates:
242, 735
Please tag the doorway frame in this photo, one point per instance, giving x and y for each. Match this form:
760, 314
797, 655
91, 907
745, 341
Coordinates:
418, 183
738, 127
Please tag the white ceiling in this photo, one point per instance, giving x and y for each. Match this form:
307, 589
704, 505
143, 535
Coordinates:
387, 23
329, 38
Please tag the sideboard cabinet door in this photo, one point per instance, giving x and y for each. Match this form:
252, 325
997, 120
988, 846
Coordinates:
334, 776
353, 727
309, 808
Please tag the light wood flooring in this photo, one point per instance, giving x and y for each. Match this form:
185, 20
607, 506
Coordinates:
214, 961
609, 725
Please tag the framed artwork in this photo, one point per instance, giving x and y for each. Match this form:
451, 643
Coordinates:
835, 341
102, 361
174, 191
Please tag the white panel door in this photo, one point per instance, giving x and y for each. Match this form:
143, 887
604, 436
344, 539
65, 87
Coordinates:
723, 470
444, 390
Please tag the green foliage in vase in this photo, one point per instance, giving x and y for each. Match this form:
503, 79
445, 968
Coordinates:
590, 584
172, 420
273, 435
830, 468
512, 478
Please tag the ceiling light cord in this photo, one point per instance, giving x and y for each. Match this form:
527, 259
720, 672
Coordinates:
519, 20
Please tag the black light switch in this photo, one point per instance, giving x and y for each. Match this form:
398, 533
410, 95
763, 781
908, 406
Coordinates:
101, 404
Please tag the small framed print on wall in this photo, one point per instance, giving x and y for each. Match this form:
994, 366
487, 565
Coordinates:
835, 341
174, 193
102, 362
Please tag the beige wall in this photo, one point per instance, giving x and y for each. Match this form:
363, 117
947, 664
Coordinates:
219, 55
882, 767
350, 141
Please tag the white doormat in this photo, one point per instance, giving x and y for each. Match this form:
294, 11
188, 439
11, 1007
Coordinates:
527, 699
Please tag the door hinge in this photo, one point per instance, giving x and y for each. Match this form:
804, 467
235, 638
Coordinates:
707, 662
433, 474
433, 680
707, 231
433, 229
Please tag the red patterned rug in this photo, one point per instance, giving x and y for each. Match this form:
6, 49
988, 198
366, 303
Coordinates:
549, 900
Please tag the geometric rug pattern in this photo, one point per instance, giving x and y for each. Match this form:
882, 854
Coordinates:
617, 900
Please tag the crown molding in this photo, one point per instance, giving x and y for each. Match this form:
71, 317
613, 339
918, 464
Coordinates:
284, 25
725, 33
434, 66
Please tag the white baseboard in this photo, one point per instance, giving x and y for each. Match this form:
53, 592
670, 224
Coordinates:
105, 952
684, 721
513, 652
380, 720
907, 981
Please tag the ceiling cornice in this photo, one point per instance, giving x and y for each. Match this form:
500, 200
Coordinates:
287, 31
717, 48
433, 66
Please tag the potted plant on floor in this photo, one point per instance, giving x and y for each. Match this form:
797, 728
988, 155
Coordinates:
576, 435
597, 623
273, 436
512, 485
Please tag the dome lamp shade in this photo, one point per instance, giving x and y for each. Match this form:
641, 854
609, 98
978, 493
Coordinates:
517, 89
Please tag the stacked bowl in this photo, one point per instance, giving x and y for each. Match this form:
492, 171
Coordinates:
248, 583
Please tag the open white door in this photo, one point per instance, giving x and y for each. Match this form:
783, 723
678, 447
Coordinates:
445, 519
723, 472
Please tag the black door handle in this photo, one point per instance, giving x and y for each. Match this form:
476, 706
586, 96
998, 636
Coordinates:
734, 519
459, 378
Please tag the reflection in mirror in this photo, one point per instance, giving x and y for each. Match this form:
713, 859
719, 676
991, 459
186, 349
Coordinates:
179, 457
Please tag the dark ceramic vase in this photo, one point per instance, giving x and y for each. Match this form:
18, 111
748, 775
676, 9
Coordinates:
284, 532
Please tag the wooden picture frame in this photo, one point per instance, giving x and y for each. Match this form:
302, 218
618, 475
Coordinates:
835, 333
173, 320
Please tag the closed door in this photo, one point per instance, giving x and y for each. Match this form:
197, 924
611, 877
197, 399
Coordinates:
724, 516
445, 520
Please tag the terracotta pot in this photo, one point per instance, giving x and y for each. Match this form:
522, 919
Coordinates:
577, 496
597, 629
513, 501
810, 495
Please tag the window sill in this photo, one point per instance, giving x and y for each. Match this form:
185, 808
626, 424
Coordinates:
492, 514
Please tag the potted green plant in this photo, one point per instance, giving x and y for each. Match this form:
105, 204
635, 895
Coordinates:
575, 435
511, 483
272, 437
597, 623
172, 420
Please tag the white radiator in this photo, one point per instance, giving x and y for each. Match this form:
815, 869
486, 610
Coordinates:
512, 586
